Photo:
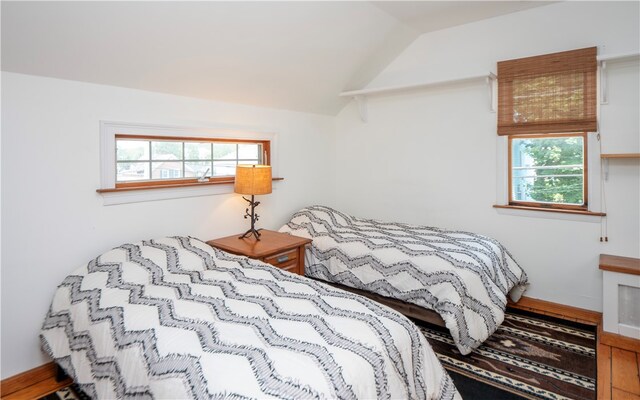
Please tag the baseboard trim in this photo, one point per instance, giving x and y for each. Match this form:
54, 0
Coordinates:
558, 310
47, 372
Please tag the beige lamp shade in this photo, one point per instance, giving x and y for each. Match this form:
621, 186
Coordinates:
253, 179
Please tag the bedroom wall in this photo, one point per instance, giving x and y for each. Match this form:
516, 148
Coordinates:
53, 220
429, 156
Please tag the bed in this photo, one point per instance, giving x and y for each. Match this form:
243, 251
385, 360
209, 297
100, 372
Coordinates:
464, 277
175, 318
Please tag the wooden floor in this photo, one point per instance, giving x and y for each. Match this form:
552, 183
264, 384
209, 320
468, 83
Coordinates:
618, 361
618, 373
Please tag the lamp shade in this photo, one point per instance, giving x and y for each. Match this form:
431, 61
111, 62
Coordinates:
253, 179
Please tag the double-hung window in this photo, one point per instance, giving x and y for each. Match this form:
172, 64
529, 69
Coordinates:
548, 170
546, 106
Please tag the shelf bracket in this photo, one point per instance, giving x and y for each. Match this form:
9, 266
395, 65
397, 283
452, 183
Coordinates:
362, 107
604, 98
605, 168
492, 84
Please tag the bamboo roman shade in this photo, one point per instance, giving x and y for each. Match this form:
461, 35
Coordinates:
552, 93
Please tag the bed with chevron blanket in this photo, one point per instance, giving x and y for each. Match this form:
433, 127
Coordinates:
464, 277
174, 318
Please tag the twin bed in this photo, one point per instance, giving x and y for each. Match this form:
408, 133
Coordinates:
175, 318
463, 277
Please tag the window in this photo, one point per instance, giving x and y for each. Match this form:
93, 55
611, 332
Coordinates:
546, 106
548, 171
152, 160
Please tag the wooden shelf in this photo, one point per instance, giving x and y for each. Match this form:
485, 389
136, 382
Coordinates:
169, 186
555, 210
625, 265
620, 155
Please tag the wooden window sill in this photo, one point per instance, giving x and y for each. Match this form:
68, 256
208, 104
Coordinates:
177, 185
553, 210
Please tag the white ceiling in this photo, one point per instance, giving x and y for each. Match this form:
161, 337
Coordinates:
289, 55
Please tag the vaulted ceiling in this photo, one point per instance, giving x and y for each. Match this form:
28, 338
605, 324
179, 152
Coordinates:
288, 55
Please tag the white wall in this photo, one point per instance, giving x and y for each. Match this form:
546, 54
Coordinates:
429, 156
53, 220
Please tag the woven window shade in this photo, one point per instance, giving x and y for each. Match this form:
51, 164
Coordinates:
553, 93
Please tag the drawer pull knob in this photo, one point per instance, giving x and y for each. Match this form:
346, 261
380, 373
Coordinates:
283, 258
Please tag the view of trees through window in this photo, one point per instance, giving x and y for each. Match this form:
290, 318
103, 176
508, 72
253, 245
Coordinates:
548, 169
141, 159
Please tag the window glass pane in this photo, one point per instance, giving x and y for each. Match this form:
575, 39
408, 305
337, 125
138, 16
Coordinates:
248, 151
249, 162
195, 169
197, 151
166, 150
224, 151
129, 150
224, 168
166, 170
132, 171
548, 170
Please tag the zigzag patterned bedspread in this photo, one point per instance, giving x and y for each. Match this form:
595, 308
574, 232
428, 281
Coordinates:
174, 318
462, 276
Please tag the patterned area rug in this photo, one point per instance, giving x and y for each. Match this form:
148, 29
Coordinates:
69, 393
530, 356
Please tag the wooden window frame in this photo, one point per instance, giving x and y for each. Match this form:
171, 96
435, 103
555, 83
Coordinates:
543, 205
172, 182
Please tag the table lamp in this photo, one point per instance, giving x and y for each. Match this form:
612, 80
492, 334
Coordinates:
252, 180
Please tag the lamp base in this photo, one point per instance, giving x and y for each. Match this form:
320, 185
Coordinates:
251, 231
253, 216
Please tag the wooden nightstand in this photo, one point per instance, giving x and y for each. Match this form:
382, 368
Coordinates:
278, 249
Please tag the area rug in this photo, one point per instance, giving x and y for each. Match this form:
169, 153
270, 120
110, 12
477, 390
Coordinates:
68, 393
530, 356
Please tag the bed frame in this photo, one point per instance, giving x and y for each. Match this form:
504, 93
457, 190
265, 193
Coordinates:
408, 309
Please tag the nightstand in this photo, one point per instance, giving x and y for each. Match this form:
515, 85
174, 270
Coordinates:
278, 249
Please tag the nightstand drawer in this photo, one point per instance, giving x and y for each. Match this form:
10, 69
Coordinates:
291, 266
283, 259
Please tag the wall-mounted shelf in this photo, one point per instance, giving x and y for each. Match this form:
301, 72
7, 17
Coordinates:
360, 96
608, 156
620, 155
602, 63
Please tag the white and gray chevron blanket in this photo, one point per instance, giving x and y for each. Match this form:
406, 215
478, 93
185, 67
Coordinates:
173, 318
462, 276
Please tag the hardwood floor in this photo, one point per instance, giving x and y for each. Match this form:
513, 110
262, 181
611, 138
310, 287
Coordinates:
618, 373
33, 384
618, 359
